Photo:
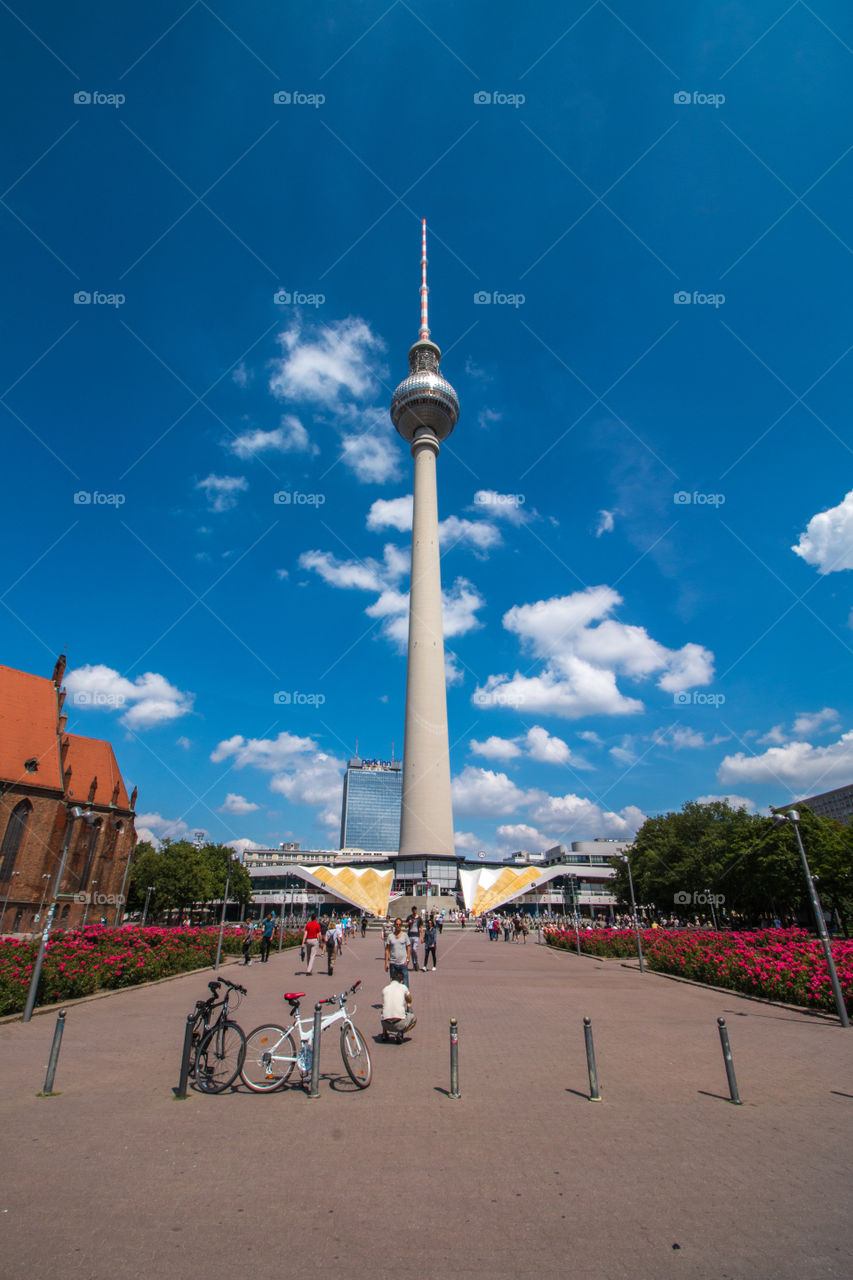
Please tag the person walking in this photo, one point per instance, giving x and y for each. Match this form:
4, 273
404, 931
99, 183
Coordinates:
429, 944
331, 943
397, 953
415, 932
266, 937
311, 935
248, 931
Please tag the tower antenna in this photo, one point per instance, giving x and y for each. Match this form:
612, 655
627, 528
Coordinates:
424, 332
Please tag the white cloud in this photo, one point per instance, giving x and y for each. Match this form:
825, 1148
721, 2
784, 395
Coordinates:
495, 748
242, 846
281, 574
300, 771
453, 673
363, 575
154, 828
582, 661
269, 754
147, 701
827, 541
475, 371
328, 363
241, 375
222, 491
520, 836
680, 738
484, 793
571, 817
488, 417
290, 437
774, 737
391, 513
237, 804
734, 802
799, 766
374, 455
542, 746
589, 736
605, 523
184, 743
468, 842
825, 721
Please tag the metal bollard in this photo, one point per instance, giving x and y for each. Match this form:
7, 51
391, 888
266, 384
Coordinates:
594, 1094
730, 1066
47, 1091
455, 1092
186, 1053
314, 1091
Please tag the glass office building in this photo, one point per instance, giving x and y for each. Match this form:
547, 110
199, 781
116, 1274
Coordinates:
370, 814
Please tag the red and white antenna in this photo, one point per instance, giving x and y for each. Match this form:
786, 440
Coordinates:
424, 333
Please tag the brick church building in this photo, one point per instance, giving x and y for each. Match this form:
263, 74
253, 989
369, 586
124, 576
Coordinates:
47, 776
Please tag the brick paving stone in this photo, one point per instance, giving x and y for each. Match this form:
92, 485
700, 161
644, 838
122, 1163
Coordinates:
115, 1178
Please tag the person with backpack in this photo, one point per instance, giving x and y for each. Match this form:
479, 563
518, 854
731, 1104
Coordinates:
429, 944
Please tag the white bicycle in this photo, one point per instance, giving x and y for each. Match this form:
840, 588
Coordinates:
272, 1052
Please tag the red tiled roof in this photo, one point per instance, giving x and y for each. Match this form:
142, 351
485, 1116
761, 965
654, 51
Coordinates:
28, 713
91, 758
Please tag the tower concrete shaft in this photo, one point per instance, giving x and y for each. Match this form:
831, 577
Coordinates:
424, 409
426, 815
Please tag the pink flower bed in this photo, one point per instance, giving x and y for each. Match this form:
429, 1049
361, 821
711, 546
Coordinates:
778, 964
86, 960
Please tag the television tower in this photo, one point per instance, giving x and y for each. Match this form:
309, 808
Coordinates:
424, 409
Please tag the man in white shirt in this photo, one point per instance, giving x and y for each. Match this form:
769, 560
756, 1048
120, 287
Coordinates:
397, 1016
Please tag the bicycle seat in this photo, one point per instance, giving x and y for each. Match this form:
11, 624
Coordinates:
293, 995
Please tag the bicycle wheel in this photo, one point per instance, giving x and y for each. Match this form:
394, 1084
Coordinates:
270, 1058
220, 1057
356, 1055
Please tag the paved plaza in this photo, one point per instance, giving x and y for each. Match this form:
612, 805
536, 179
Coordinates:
523, 1175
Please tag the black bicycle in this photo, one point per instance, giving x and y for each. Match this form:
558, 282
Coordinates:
219, 1044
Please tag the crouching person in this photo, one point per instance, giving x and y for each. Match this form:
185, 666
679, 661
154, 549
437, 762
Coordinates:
397, 1016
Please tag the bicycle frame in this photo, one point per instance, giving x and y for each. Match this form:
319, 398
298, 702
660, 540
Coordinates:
304, 1028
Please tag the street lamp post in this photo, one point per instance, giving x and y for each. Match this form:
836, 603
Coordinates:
222, 917
46, 878
86, 908
88, 817
792, 816
713, 912
8, 891
145, 910
625, 858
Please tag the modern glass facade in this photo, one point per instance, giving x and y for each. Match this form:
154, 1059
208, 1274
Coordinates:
370, 815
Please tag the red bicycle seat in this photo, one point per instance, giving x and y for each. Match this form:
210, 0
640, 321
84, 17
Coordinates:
293, 995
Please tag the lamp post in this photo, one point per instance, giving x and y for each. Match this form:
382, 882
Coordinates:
147, 900
46, 878
625, 858
86, 908
713, 912
89, 818
222, 917
792, 816
8, 891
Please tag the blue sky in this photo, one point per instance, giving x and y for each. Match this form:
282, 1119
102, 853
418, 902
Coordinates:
640, 274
